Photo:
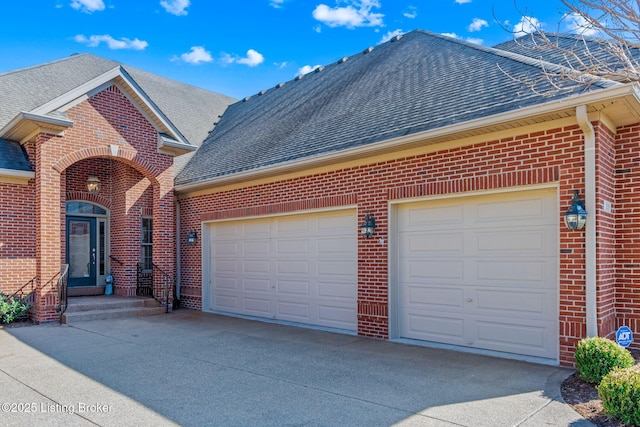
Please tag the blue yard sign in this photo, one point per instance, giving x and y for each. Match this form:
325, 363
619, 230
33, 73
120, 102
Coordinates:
624, 336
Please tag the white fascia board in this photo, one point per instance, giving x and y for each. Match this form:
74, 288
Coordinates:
79, 92
34, 117
618, 91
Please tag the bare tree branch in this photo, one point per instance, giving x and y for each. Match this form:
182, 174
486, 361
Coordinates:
605, 46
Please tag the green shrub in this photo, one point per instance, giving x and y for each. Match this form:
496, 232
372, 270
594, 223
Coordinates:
596, 357
12, 309
619, 392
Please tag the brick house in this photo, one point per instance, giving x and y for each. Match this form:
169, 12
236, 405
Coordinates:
465, 171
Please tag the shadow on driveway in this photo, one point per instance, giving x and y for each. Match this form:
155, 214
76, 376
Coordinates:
193, 368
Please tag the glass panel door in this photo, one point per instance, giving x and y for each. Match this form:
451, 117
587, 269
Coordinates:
81, 251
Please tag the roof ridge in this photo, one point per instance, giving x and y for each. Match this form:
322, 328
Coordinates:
46, 64
140, 70
524, 59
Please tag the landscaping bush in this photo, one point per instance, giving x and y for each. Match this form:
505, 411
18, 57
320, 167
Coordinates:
596, 357
12, 309
619, 392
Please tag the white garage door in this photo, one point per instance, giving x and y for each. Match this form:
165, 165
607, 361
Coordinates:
481, 272
300, 268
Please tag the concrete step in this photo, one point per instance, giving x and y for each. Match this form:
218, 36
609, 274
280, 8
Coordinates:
107, 302
83, 309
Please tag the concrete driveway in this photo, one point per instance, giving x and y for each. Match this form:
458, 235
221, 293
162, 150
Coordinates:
195, 369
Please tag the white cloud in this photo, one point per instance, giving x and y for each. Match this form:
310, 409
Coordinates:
307, 69
474, 40
577, 24
357, 13
390, 35
411, 13
477, 24
123, 43
276, 3
252, 59
197, 55
527, 25
463, 1
88, 6
176, 7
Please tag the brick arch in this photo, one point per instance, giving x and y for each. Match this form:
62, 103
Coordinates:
88, 197
113, 152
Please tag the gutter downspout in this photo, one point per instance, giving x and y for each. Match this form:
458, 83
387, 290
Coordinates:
178, 257
590, 228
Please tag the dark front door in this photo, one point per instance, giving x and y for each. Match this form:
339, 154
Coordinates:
81, 251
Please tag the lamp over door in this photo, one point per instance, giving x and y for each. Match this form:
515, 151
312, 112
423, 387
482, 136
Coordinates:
93, 184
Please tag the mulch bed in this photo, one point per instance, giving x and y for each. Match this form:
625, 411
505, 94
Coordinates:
583, 398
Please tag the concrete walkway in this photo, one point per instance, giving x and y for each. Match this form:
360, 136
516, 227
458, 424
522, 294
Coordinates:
195, 369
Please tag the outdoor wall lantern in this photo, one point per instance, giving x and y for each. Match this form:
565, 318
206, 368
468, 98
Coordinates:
367, 227
575, 217
192, 238
93, 184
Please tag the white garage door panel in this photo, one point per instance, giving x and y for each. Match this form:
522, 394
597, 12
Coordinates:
481, 271
522, 304
533, 340
426, 296
451, 271
294, 311
335, 316
449, 330
257, 306
300, 268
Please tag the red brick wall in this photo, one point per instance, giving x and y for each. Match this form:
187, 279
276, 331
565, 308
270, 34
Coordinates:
606, 232
17, 235
556, 155
627, 211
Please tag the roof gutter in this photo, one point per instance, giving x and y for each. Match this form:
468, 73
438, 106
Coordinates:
599, 96
590, 228
16, 176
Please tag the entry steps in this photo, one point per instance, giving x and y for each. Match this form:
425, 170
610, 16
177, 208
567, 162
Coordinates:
87, 308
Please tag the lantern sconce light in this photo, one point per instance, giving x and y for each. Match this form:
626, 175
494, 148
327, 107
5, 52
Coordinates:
368, 226
192, 238
93, 184
576, 216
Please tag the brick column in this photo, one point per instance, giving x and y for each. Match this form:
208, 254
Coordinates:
48, 229
164, 226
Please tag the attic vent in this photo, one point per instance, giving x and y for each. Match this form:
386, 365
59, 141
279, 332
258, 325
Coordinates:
367, 50
318, 69
396, 38
262, 92
342, 60
246, 99
279, 85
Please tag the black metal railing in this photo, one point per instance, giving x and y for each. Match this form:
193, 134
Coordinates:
61, 285
152, 281
26, 294
112, 258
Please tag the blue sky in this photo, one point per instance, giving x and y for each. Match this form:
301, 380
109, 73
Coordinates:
241, 47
